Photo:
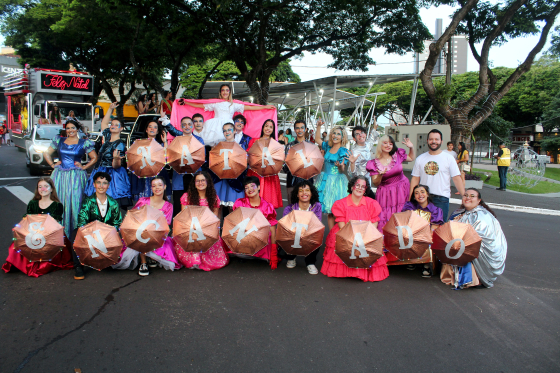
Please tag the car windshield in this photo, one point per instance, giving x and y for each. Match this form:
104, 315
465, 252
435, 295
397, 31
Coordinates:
47, 133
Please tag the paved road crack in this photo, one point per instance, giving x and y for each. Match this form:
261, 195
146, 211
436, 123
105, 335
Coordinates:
108, 299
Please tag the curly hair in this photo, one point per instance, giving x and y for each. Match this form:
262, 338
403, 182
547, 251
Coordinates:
368, 192
314, 193
193, 199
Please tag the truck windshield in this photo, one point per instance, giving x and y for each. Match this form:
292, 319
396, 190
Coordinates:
81, 112
47, 133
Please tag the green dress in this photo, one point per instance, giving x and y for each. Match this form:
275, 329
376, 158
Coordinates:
55, 209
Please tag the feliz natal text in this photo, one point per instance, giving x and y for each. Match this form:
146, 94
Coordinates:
59, 81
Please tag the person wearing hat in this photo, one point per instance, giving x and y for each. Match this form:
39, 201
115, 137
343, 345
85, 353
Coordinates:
504, 160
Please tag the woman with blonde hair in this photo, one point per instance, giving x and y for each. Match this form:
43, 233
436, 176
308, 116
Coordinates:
393, 188
332, 183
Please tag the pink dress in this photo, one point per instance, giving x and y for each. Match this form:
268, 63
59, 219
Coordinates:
269, 213
270, 185
214, 258
345, 210
394, 189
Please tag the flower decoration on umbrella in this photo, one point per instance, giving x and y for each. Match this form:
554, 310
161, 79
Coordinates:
359, 244
144, 229
300, 233
186, 154
228, 160
145, 158
196, 229
246, 231
38, 237
305, 160
407, 235
266, 157
456, 243
98, 245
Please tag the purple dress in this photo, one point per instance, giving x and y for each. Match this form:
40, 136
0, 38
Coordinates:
394, 189
436, 215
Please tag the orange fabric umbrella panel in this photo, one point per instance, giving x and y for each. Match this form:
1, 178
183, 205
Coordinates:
456, 243
246, 231
305, 160
38, 237
266, 157
359, 244
98, 245
300, 233
145, 158
196, 229
407, 235
186, 154
144, 229
228, 160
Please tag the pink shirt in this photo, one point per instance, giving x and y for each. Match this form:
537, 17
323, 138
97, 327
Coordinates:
167, 208
266, 208
345, 210
203, 201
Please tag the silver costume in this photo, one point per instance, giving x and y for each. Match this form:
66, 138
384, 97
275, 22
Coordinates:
491, 261
366, 153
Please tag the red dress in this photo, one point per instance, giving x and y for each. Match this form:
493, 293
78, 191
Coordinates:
270, 185
345, 210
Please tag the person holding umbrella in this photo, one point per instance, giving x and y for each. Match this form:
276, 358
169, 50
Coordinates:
305, 197
201, 192
491, 260
356, 206
299, 127
45, 201
99, 206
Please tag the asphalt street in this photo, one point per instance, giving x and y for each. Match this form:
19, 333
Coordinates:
247, 318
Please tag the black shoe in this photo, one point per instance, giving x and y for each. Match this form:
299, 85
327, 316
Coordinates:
143, 271
427, 271
411, 267
152, 263
502, 190
499, 189
79, 273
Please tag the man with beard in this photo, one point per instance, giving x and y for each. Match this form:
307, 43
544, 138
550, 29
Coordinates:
434, 169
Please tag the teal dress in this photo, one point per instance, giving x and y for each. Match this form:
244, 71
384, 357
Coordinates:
331, 184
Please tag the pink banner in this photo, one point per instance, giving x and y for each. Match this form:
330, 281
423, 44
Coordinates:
255, 118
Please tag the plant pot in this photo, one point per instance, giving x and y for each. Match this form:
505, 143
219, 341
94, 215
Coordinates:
477, 184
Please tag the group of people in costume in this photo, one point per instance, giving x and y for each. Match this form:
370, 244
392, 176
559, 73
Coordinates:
342, 191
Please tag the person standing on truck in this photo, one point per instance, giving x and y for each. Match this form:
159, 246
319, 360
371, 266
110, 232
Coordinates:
54, 115
166, 104
152, 104
504, 159
141, 105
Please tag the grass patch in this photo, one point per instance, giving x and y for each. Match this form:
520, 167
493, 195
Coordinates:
540, 188
552, 173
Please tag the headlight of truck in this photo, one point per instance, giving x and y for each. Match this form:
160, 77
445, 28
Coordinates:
40, 148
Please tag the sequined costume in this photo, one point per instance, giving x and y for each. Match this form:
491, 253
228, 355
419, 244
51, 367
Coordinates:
331, 184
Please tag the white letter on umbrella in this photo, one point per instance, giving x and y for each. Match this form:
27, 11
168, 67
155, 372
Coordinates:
146, 156
299, 227
35, 240
141, 228
361, 247
186, 154
96, 242
242, 230
226, 157
196, 228
461, 249
402, 246
304, 160
266, 155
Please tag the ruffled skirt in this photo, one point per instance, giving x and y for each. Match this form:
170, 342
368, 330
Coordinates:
227, 194
165, 256
212, 133
334, 267
270, 189
391, 198
16, 260
119, 186
70, 185
214, 258
331, 188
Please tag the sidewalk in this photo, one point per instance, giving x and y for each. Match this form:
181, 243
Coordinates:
493, 167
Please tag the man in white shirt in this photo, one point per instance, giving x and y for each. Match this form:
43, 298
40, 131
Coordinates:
239, 122
450, 150
434, 169
198, 121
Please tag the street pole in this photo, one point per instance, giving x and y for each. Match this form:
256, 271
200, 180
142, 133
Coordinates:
449, 66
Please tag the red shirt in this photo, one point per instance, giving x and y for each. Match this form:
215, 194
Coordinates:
345, 210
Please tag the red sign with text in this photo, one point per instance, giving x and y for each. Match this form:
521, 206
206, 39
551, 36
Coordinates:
52, 81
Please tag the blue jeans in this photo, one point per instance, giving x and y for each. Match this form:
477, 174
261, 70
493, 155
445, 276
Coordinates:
502, 171
443, 204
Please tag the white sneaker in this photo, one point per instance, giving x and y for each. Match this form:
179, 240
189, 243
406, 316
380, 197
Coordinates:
312, 269
291, 263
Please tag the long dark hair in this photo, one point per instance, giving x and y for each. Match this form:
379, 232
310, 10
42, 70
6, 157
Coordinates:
48, 180
368, 192
273, 135
164, 183
481, 203
56, 113
192, 193
463, 148
159, 131
413, 200
314, 193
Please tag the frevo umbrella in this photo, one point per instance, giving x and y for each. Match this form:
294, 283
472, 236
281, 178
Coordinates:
228, 160
305, 160
186, 154
38, 237
145, 158
144, 229
196, 229
246, 231
456, 243
407, 235
359, 244
98, 245
300, 232
266, 157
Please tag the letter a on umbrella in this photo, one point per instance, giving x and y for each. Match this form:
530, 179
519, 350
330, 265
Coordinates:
359, 244
196, 229
266, 157
186, 154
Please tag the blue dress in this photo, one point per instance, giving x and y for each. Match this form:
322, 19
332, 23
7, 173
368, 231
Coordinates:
331, 184
230, 190
119, 188
69, 180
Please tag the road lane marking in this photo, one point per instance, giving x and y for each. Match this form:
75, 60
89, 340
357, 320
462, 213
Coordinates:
20, 192
19, 178
514, 208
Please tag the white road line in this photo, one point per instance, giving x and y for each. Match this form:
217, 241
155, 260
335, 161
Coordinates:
514, 208
19, 178
20, 192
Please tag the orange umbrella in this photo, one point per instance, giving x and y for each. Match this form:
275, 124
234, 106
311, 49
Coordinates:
196, 229
38, 237
186, 154
266, 157
407, 235
359, 244
144, 229
228, 160
300, 232
145, 158
98, 245
246, 231
456, 243
305, 160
